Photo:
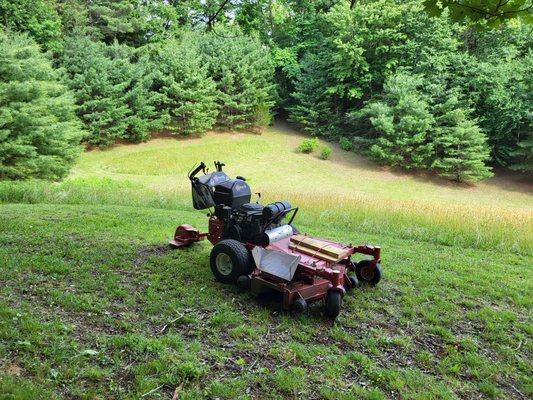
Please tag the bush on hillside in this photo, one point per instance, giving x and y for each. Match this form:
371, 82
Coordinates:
346, 144
308, 146
325, 152
39, 131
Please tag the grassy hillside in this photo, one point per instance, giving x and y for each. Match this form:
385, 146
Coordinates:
94, 305
346, 193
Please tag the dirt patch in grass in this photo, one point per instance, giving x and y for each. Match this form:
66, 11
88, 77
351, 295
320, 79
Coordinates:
145, 252
10, 368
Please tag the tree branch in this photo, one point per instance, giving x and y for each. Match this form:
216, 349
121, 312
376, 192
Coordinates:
488, 14
211, 20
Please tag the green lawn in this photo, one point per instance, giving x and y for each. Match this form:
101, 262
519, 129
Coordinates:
93, 304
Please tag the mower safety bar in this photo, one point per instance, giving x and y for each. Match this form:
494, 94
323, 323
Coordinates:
192, 174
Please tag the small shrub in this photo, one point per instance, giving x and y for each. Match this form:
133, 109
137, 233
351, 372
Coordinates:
308, 146
325, 152
346, 144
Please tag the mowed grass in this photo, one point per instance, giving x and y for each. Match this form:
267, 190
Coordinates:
93, 304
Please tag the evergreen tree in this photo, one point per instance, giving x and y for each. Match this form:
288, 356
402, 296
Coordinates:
99, 87
523, 154
402, 121
243, 73
313, 106
363, 46
140, 96
189, 94
461, 150
120, 20
39, 131
116, 96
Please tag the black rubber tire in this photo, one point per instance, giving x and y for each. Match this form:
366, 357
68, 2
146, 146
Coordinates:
238, 260
354, 281
363, 275
244, 283
333, 304
299, 306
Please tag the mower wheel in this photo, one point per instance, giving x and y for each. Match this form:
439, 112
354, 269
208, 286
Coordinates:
367, 274
244, 283
333, 304
230, 259
353, 281
299, 306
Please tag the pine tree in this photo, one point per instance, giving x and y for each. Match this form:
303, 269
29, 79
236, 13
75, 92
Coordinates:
461, 150
243, 73
312, 109
523, 154
144, 102
99, 85
120, 20
401, 121
39, 132
189, 94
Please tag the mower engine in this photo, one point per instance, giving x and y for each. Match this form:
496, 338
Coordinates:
258, 247
234, 216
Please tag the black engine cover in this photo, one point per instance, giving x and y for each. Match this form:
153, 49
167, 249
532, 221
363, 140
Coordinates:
232, 193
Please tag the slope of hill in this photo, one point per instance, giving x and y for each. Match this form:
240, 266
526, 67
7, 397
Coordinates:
93, 304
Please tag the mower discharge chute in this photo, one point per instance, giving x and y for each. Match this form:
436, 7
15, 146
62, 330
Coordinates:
257, 247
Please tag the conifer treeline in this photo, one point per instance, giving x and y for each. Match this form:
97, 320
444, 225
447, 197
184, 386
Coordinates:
406, 87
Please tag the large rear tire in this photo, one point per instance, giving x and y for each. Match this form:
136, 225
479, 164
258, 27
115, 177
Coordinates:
230, 259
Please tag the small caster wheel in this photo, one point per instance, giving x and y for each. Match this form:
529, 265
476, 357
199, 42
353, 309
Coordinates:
333, 304
243, 283
354, 282
299, 306
366, 273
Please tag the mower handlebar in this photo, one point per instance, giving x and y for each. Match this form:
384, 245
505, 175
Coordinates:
193, 173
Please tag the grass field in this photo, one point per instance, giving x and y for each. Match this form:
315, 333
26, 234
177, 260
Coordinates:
94, 305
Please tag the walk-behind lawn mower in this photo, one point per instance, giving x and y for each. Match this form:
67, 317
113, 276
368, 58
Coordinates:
258, 248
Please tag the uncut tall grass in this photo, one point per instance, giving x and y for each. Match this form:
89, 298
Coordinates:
447, 224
